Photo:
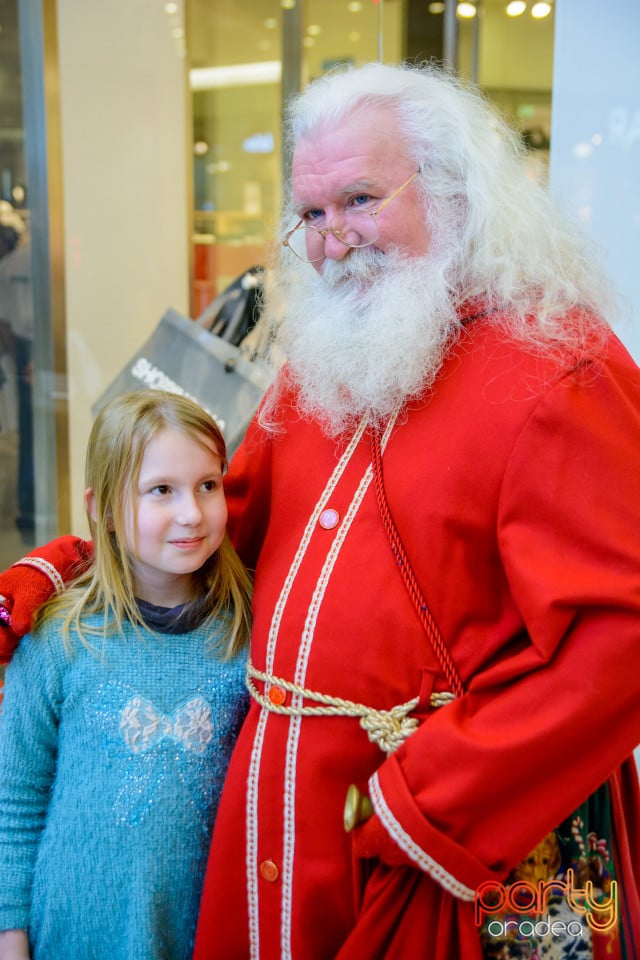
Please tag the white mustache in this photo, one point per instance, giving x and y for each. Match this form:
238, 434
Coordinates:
359, 265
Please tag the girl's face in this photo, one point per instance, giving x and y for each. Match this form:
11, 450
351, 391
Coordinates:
180, 517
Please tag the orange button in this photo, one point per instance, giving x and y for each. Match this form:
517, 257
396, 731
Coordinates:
329, 519
277, 696
269, 871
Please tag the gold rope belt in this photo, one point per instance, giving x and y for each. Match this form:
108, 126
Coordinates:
386, 728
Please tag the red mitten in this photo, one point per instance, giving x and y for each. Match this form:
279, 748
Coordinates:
30, 581
371, 841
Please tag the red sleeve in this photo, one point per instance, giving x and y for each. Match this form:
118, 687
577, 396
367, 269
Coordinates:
248, 493
30, 581
545, 723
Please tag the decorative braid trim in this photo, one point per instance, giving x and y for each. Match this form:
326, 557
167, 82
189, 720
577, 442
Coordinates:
411, 848
292, 741
386, 728
44, 567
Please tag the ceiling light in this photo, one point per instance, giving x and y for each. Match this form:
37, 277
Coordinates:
540, 10
271, 23
466, 10
314, 30
354, 7
171, 8
436, 7
515, 8
287, 4
238, 75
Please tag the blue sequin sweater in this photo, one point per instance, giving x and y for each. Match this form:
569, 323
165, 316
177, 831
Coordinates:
110, 775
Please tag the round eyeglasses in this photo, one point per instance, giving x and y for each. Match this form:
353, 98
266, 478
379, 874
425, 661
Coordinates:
358, 228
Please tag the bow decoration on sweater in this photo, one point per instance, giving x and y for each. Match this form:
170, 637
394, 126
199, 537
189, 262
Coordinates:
143, 725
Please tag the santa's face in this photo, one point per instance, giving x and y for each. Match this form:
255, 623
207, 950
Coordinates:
346, 172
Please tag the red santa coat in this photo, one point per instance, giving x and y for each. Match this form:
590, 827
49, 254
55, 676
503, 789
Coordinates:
515, 485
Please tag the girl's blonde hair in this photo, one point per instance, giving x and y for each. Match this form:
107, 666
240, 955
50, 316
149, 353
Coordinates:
117, 443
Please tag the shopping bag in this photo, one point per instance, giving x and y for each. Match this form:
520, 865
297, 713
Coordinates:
235, 312
183, 356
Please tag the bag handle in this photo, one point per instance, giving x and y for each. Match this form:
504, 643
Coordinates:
397, 548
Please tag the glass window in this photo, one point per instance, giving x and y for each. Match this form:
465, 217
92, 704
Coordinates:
17, 493
235, 76
350, 32
507, 48
515, 69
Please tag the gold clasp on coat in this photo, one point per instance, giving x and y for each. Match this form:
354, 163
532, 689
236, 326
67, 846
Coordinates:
357, 808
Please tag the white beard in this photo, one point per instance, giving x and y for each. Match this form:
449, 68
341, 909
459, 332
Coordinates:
366, 335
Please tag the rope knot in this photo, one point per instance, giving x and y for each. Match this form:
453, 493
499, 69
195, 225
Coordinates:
388, 729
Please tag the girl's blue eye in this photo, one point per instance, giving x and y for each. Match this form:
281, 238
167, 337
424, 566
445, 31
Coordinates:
311, 215
361, 200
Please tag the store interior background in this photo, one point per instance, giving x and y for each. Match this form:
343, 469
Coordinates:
146, 138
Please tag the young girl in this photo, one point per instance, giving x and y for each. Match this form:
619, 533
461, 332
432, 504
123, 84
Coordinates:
123, 705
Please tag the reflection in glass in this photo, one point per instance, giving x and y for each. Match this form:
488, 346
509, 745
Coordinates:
17, 501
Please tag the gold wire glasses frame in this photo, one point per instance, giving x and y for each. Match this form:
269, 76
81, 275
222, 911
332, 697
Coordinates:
303, 230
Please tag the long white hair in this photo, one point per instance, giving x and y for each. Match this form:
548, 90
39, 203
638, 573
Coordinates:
497, 237
514, 247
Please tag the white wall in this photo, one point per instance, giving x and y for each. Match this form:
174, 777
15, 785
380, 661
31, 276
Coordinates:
595, 140
124, 142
